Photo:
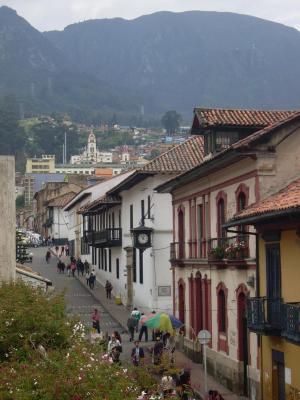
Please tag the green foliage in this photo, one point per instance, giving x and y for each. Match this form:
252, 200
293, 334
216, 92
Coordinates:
45, 356
171, 121
112, 139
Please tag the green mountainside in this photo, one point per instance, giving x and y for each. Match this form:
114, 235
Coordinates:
156, 62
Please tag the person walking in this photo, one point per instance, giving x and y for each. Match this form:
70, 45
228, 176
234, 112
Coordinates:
114, 348
67, 250
86, 266
137, 354
157, 351
62, 252
131, 324
137, 315
48, 256
69, 270
92, 279
108, 288
87, 277
73, 267
96, 320
56, 249
59, 266
63, 266
143, 329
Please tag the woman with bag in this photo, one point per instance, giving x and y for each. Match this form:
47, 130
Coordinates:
96, 320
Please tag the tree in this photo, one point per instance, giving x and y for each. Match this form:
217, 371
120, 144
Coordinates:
171, 121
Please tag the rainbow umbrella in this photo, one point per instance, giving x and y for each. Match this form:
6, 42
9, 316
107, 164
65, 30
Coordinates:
163, 322
145, 318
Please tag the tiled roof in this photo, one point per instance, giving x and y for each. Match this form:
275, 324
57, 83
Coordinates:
104, 200
179, 158
210, 117
61, 201
263, 132
286, 199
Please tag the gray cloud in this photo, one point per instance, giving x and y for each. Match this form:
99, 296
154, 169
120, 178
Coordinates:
56, 14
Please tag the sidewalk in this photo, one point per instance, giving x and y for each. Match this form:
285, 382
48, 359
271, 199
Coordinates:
121, 314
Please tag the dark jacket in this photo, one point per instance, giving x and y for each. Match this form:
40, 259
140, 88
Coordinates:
141, 352
132, 322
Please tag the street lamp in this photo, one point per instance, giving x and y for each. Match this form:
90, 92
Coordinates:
204, 337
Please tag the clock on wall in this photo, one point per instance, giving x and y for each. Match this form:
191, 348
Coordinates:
142, 237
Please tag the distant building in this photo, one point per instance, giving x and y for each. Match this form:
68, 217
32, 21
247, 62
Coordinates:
34, 182
91, 154
43, 165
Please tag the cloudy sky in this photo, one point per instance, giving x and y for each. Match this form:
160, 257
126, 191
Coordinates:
56, 14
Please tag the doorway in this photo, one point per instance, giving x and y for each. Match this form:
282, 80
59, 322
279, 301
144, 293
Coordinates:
278, 375
243, 338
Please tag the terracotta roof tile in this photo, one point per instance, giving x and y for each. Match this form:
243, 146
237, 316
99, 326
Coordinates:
210, 117
61, 201
286, 199
179, 158
110, 200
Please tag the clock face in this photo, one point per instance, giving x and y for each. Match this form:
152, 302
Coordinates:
142, 238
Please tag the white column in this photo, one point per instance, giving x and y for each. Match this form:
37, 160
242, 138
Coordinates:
8, 219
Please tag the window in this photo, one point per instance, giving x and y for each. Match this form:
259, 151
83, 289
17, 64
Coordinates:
221, 217
117, 268
149, 207
200, 230
131, 216
241, 203
222, 311
102, 258
142, 212
105, 260
109, 260
141, 264
119, 218
134, 264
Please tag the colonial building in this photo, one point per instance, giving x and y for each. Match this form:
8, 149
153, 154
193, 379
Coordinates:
43, 165
141, 277
91, 154
274, 312
214, 270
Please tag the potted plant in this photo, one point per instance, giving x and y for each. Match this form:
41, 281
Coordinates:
236, 251
216, 253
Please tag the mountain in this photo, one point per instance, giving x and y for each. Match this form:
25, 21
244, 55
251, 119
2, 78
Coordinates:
191, 58
43, 79
160, 61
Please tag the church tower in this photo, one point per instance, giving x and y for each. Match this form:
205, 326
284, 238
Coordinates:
91, 148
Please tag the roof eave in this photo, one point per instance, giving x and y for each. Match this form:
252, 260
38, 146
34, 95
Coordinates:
264, 217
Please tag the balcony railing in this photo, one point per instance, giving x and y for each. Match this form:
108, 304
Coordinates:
264, 315
231, 249
108, 237
291, 322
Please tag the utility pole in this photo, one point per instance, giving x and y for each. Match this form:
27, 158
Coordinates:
63, 160
65, 147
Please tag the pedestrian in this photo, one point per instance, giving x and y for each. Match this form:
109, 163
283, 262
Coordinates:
96, 320
63, 266
67, 250
48, 256
157, 351
114, 348
169, 345
143, 329
118, 336
131, 324
92, 279
59, 267
137, 354
87, 277
73, 267
137, 315
86, 266
108, 288
80, 267
69, 270
30, 257
62, 252
56, 249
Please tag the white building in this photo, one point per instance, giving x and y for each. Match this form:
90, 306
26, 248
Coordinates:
91, 154
57, 222
141, 278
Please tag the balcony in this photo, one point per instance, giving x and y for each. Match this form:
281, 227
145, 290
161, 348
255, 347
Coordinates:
291, 322
264, 315
108, 237
232, 250
89, 237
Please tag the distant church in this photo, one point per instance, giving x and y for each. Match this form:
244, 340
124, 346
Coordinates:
91, 154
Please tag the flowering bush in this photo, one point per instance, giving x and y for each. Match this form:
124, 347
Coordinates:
216, 253
45, 356
236, 250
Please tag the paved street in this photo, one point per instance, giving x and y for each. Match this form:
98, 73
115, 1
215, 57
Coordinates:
78, 299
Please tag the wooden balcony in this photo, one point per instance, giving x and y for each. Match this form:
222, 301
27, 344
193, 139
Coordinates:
109, 237
291, 322
264, 315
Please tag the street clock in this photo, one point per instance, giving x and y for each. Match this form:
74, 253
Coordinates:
142, 237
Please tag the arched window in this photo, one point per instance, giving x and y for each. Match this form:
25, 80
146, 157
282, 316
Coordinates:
241, 201
181, 301
222, 311
181, 245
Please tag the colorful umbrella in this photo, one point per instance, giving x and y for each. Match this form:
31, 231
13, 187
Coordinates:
145, 318
163, 321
